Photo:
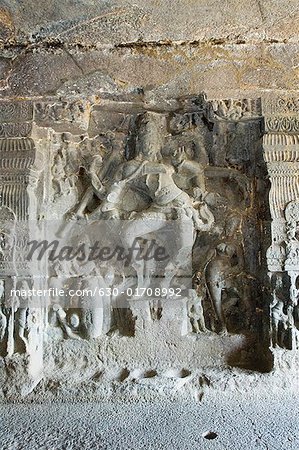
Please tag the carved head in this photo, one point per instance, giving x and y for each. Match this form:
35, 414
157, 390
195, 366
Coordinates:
151, 135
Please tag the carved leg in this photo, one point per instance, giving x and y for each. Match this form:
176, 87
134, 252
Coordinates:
201, 324
215, 292
194, 325
22, 326
84, 202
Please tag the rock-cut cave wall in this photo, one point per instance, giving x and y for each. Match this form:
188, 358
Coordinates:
120, 129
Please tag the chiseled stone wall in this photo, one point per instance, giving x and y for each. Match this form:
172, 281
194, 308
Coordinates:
87, 88
167, 48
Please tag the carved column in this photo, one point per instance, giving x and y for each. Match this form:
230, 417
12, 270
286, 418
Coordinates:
281, 153
17, 154
18, 205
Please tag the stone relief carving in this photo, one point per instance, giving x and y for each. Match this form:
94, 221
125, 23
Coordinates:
280, 152
64, 169
221, 273
148, 170
273, 105
235, 109
283, 124
196, 313
62, 113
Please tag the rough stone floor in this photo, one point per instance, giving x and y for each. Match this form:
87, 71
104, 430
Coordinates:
232, 424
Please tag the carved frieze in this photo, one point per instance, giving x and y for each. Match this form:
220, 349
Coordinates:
16, 111
9, 130
15, 119
62, 115
280, 105
285, 124
234, 110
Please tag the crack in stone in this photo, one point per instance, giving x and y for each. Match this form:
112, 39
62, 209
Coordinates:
261, 11
197, 43
52, 46
74, 60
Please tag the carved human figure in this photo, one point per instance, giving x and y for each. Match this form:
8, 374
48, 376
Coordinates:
35, 341
58, 173
96, 173
189, 173
23, 313
195, 312
165, 200
8, 236
97, 317
279, 320
19, 319
283, 311
230, 109
100, 167
7, 246
157, 199
191, 176
65, 168
292, 314
220, 274
96, 310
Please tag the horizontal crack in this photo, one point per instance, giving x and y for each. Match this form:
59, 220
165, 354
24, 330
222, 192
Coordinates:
196, 43
53, 45
45, 45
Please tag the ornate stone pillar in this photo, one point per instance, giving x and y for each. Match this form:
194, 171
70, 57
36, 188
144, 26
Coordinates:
281, 153
17, 203
17, 154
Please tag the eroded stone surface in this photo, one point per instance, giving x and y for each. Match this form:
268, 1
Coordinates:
149, 112
122, 21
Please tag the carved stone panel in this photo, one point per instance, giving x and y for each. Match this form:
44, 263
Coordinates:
186, 181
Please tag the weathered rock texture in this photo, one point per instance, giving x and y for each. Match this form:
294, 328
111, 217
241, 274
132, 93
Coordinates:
152, 110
